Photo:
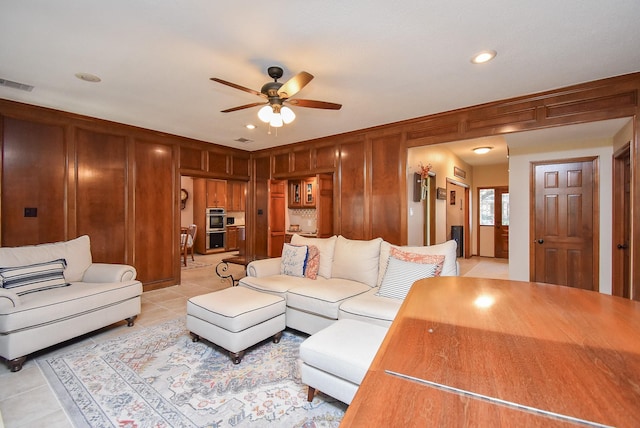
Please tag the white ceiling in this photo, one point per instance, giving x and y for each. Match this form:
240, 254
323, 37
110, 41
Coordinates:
385, 61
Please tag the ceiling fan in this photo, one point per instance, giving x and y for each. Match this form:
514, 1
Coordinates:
276, 93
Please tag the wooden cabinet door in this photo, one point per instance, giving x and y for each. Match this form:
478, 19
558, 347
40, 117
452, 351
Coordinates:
216, 193
309, 193
232, 238
295, 194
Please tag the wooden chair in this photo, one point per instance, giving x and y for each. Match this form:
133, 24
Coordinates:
187, 239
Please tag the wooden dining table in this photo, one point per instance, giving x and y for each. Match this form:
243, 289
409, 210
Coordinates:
485, 352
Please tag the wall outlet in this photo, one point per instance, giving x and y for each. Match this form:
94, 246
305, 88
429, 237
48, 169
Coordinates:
31, 212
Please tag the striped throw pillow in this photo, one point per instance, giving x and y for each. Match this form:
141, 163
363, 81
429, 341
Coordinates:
36, 277
401, 275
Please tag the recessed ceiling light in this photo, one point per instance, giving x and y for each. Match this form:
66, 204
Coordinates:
482, 150
251, 126
87, 77
484, 56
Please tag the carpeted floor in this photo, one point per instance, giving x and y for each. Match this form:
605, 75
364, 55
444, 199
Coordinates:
158, 377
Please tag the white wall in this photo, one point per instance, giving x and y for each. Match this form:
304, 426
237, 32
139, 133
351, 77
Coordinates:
519, 190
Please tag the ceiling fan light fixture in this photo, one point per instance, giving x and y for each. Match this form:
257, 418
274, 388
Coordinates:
276, 120
287, 114
265, 114
482, 150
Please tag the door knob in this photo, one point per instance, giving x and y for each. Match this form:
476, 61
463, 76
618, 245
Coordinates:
622, 246
540, 241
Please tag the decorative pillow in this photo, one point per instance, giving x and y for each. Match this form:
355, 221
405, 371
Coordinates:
326, 247
401, 275
294, 258
76, 252
36, 277
448, 249
432, 259
313, 262
356, 260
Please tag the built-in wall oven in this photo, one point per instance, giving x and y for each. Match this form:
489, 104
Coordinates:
216, 222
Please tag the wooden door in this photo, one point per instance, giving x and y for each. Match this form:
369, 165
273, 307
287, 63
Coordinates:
621, 258
276, 217
564, 214
501, 230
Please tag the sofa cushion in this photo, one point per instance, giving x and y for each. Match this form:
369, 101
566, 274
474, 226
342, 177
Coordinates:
275, 284
313, 262
401, 275
294, 258
345, 349
33, 278
77, 253
324, 298
356, 260
60, 303
447, 249
326, 247
370, 307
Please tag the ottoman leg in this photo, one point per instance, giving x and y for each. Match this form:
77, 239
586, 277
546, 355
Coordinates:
194, 337
236, 357
277, 336
310, 393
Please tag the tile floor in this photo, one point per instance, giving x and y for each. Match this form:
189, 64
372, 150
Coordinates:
26, 399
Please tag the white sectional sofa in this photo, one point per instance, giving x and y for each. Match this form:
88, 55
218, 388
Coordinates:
348, 284
54, 292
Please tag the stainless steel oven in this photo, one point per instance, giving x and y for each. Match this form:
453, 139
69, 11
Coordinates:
216, 232
216, 218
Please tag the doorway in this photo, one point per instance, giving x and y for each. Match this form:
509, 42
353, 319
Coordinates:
493, 222
564, 214
621, 257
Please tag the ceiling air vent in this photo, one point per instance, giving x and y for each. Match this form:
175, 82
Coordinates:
15, 85
243, 140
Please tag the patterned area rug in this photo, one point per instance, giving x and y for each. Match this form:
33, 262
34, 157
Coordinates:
158, 377
193, 265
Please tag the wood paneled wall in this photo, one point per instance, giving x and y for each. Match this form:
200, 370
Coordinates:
120, 184
116, 183
370, 189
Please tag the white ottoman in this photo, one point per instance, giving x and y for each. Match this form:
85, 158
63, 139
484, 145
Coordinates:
236, 318
335, 359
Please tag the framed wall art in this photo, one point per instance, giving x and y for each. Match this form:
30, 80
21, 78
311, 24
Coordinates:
459, 172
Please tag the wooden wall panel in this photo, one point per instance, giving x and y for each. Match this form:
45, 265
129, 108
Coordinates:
191, 158
101, 193
218, 162
156, 246
386, 189
302, 160
33, 176
353, 210
325, 157
240, 166
259, 215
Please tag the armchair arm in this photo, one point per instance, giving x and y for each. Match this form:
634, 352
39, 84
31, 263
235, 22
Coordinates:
109, 272
264, 267
8, 299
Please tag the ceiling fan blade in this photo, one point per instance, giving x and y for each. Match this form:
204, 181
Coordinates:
242, 88
229, 110
293, 85
315, 104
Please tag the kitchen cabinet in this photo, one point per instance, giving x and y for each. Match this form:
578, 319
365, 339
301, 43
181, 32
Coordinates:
302, 193
232, 238
236, 195
216, 194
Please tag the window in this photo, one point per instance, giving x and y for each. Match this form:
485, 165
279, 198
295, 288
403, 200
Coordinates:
505, 209
487, 204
